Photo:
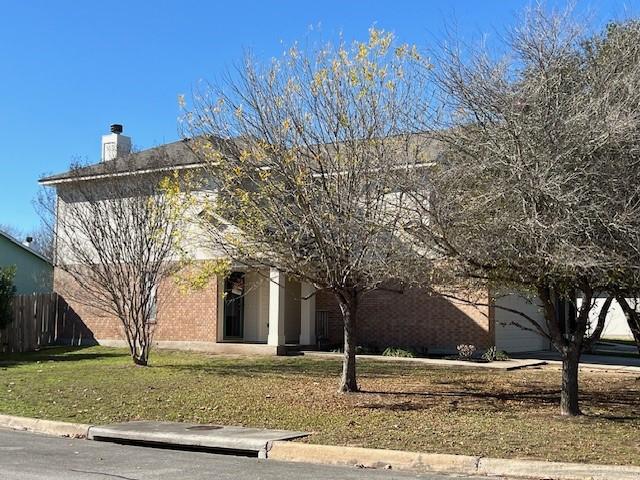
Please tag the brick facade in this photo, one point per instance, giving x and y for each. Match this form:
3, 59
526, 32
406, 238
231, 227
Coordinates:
413, 319
187, 316
385, 318
182, 316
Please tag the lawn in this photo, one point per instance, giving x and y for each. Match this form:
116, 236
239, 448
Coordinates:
403, 406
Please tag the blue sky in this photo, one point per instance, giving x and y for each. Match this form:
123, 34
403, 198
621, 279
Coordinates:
68, 69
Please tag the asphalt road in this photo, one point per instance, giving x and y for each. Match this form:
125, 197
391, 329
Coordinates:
28, 456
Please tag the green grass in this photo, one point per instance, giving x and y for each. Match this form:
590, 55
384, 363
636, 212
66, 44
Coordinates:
403, 406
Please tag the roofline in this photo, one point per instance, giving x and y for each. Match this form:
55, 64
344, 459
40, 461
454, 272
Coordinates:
24, 247
56, 181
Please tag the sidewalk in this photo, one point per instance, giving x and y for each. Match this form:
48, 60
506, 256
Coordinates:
517, 361
594, 361
512, 364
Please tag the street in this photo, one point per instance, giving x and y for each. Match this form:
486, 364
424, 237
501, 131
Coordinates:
28, 456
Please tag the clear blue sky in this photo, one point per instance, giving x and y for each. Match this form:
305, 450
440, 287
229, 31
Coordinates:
68, 69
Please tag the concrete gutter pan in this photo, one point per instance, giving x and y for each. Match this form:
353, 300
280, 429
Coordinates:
187, 435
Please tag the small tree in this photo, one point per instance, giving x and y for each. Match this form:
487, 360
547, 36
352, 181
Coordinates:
533, 144
7, 291
116, 237
310, 152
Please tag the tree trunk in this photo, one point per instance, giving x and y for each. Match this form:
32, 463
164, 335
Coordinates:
569, 403
140, 353
349, 309
140, 360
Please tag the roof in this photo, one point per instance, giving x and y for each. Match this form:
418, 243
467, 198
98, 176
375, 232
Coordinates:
170, 156
24, 247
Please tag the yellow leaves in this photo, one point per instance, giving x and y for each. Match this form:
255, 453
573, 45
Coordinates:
264, 175
319, 78
354, 79
244, 156
286, 125
401, 51
196, 276
300, 179
363, 51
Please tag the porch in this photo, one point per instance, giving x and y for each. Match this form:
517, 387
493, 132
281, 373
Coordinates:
263, 311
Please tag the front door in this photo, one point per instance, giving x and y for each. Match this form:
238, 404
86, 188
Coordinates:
234, 306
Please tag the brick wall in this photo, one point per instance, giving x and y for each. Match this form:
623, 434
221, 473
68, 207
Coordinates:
413, 319
190, 316
187, 316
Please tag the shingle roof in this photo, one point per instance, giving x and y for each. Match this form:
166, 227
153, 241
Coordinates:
168, 156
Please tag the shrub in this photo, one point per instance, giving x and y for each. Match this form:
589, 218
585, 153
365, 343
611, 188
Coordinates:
399, 352
7, 290
466, 351
490, 354
502, 356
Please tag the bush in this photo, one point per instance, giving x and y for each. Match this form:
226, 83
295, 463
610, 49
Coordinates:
7, 290
502, 356
399, 352
490, 354
466, 351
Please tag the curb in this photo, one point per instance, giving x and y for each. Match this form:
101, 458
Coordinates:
443, 463
47, 427
380, 458
373, 458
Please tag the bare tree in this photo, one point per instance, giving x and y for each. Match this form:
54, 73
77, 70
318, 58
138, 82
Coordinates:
309, 151
115, 238
523, 194
623, 168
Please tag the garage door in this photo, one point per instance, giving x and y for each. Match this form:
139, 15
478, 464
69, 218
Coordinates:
510, 337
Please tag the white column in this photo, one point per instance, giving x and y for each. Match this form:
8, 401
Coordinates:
307, 314
276, 308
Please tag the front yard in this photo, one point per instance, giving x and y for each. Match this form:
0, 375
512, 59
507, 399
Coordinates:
404, 406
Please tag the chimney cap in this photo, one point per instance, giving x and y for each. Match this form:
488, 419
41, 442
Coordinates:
116, 128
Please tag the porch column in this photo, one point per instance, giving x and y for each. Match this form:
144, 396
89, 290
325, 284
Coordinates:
276, 308
307, 314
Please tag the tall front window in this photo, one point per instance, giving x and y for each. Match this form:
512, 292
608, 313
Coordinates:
234, 306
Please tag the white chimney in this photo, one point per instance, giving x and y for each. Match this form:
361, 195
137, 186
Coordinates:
115, 144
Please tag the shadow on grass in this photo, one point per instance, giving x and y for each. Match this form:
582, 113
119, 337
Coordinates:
620, 400
244, 368
286, 366
57, 354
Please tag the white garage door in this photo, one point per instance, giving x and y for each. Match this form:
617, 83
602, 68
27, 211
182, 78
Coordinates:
510, 337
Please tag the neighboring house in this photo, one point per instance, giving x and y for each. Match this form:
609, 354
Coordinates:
34, 273
616, 326
264, 312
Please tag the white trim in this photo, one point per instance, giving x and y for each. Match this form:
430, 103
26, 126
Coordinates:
198, 165
120, 174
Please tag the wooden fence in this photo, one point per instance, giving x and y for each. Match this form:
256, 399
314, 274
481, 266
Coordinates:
35, 322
